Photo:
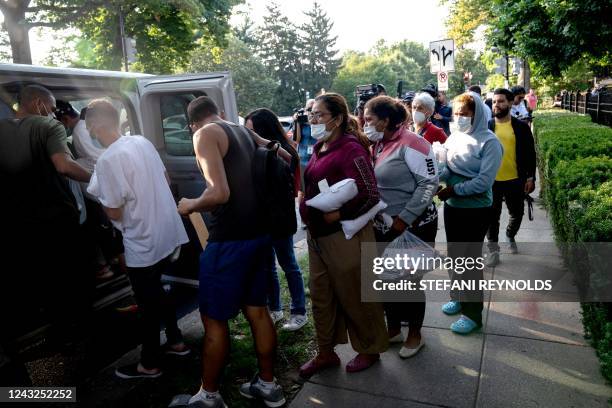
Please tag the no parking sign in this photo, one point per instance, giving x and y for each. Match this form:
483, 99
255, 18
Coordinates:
442, 81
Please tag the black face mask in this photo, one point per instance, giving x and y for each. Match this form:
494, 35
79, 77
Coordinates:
502, 113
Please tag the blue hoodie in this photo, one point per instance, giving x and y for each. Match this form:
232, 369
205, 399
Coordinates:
473, 159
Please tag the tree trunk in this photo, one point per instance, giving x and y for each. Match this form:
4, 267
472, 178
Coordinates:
524, 78
14, 21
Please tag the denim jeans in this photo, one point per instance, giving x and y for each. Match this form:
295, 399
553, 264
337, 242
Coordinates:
283, 249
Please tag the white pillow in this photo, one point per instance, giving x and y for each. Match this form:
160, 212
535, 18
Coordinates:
337, 195
351, 227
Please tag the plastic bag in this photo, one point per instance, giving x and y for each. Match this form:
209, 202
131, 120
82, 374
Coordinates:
440, 153
351, 227
332, 198
420, 258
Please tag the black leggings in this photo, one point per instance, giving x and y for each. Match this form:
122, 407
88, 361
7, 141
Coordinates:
412, 312
465, 232
156, 306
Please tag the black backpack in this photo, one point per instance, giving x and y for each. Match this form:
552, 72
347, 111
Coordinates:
274, 185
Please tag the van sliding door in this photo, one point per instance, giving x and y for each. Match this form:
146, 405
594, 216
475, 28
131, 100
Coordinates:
163, 105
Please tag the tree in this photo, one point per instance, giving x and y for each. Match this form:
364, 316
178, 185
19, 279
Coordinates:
253, 86
318, 53
467, 61
164, 29
360, 69
280, 50
245, 31
553, 35
550, 34
576, 77
20, 16
5, 47
465, 17
384, 64
495, 81
409, 60
62, 51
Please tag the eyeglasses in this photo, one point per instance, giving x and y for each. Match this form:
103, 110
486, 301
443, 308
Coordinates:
319, 115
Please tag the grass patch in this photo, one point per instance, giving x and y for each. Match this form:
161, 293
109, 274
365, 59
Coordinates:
294, 348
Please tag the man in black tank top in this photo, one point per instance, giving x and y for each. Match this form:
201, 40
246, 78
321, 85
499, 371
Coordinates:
233, 273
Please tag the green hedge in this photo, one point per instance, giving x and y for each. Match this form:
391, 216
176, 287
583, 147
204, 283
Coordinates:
576, 176
559, 139
569, 179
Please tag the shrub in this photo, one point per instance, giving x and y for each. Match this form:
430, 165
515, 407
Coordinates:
567, 142
576, 178
569, 179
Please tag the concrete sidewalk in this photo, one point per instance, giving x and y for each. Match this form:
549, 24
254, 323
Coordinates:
528, 354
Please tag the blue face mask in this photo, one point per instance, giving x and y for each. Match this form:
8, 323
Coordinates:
464, 123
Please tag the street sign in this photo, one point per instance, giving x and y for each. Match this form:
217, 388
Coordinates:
442, 81
442, 56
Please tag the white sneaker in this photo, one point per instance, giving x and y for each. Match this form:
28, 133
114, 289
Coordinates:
296, 322
272, 396
277, 316
205, 400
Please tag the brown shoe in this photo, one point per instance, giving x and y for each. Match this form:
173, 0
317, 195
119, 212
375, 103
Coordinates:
361, 362
319, 363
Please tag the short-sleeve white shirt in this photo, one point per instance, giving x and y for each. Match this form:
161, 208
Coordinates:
130, 175
88, 150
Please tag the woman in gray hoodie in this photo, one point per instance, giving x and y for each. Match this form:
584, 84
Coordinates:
473, 156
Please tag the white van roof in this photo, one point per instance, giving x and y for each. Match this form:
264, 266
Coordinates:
34, 70
76, 80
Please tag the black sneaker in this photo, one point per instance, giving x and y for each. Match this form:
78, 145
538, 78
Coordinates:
131, 371
513, 247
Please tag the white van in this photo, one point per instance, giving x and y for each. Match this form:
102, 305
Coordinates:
152, 106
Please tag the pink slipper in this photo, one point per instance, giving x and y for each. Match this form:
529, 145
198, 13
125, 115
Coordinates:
317, 364
361, 362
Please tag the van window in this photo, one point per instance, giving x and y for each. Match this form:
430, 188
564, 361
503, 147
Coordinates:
6, 111
177, 134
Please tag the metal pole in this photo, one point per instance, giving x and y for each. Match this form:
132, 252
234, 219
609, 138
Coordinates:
508, 69
123, 47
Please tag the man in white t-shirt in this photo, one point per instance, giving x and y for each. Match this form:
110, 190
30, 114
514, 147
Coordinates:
519, 108
131, 183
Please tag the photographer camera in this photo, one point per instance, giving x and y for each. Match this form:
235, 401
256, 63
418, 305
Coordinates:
301, 134
364, 93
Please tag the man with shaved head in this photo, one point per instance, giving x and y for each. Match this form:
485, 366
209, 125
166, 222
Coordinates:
40, 220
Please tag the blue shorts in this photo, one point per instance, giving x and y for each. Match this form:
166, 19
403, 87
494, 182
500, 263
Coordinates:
233, 274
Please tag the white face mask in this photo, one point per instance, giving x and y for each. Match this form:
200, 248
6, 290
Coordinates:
48, 114
318, 131
464, 123
418, 117
372, 134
